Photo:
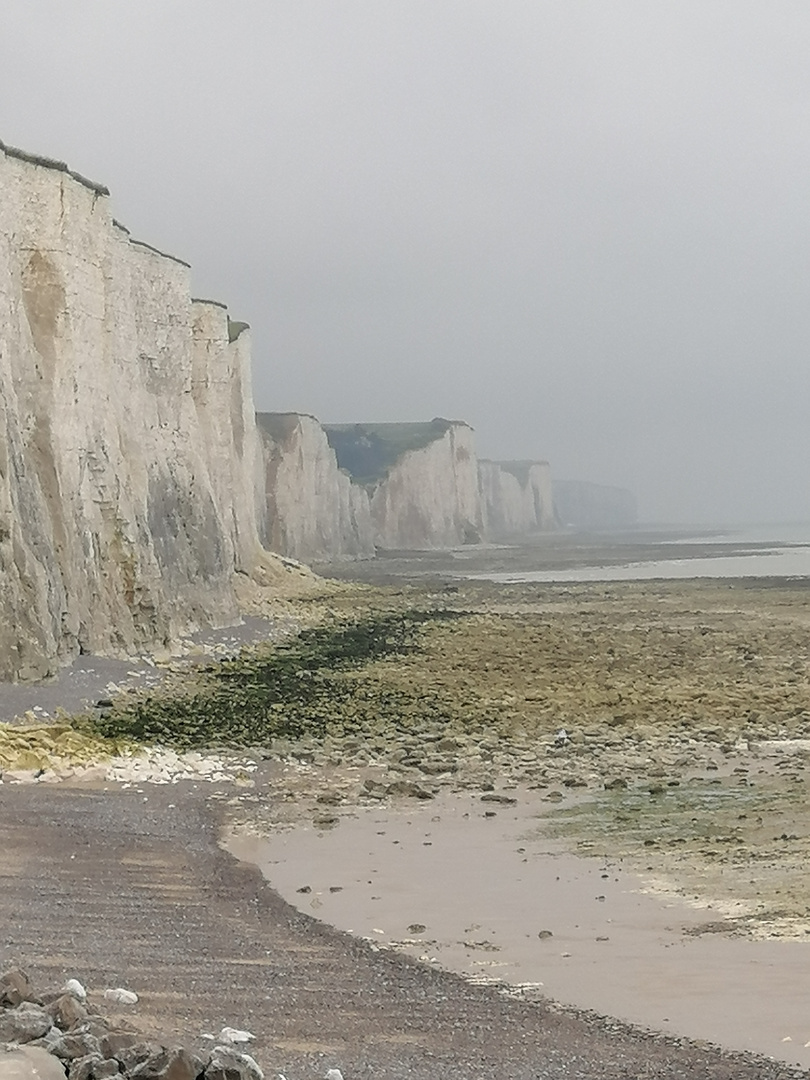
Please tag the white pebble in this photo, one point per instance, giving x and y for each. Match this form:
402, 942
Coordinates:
74, 987
120, 996
234, 1035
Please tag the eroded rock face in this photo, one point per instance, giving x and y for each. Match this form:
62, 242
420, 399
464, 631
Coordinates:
517, 497
313, 510
128, 454
430, 497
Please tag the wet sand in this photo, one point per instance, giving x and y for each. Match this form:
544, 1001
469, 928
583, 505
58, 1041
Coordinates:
484, 888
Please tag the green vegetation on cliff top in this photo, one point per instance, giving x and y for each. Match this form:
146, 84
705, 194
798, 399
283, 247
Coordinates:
369, 451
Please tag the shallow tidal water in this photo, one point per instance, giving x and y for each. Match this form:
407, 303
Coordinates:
785, 563
487, 895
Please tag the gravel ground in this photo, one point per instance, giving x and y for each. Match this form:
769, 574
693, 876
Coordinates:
129, 888
79, 685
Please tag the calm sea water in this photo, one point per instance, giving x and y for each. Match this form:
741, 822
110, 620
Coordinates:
757, 551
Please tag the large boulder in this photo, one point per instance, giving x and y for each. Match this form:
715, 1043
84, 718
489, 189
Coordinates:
29, 1063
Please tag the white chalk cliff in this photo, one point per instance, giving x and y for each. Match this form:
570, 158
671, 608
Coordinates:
421, 480
128, 452
517, 497
314, 511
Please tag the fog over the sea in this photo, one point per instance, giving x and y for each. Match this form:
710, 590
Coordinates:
581, 225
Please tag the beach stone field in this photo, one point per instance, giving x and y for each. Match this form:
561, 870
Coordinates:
60, 1033
663, 724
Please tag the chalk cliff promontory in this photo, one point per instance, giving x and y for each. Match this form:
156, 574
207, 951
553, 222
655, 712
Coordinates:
517, 497
341, 491
128, 451
421, 480
313, 510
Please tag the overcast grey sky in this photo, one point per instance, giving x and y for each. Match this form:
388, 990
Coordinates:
581, 225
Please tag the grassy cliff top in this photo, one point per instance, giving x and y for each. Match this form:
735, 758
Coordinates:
279, 426
368, 451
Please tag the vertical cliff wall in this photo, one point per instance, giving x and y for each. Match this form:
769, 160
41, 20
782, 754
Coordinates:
314, 512
517, 497
127, 449
421, 479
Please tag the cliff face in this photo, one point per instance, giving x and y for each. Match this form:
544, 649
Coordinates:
583, 505
314, 512
421, 479
517, 497
128, 452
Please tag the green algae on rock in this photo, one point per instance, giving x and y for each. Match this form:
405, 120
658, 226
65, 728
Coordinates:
300, 688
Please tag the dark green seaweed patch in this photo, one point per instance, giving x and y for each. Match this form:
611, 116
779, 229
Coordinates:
301, 688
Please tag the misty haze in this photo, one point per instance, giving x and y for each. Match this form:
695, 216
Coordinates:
580, 227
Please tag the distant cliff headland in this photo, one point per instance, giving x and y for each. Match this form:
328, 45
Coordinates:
135, 476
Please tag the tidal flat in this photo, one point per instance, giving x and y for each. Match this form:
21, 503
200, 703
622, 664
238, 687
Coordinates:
654, 732
665, 723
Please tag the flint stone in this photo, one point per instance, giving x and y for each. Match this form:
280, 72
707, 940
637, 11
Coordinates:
30, 1063
23, 1024
78, 1045
83, 1068
15, 987
114, 1043
48, 1041
135, 1054
67, 1011
170, 1064
408, 788
226, 1063
106, 1070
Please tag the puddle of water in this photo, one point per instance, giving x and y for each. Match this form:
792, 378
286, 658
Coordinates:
487, 889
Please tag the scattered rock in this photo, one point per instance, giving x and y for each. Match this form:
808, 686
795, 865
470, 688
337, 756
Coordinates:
83, 1068
120, 996
169, 1064
71, 1046
409, 789
24, 1023
505, 800
135, 1054
66, 1011
226, 1063
235, 1035
114, 1043
616, 784
74, 987
15, 988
